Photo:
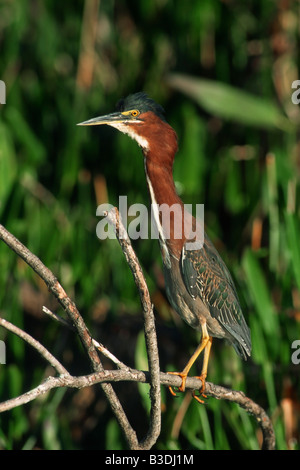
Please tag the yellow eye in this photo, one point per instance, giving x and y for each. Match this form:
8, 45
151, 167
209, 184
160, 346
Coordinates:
135, 113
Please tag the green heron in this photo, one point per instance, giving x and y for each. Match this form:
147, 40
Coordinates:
198, 283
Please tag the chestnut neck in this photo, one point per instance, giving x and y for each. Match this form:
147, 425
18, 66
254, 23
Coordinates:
159, 158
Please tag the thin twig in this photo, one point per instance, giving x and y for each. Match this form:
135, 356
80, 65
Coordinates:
36, 345
114, 219
58, 318
96, 343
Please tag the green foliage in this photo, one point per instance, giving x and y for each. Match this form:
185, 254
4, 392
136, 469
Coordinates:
223, 72
229, 103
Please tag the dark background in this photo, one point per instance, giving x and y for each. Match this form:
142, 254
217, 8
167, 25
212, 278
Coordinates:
65, 62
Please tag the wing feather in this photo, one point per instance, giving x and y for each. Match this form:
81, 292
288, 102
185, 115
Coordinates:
206, 275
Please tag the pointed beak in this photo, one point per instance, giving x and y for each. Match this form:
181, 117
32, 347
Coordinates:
109, 119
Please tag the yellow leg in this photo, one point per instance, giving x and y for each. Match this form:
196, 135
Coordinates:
204, 370
205, 344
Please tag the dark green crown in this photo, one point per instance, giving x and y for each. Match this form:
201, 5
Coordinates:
142, 103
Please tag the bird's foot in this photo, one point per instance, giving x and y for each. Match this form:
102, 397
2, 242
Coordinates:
202, 377
182, 386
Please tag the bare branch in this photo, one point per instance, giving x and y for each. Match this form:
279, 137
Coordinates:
113, 217
250, 406
36, 345
104, 377
54, 286
70, 381
133, 375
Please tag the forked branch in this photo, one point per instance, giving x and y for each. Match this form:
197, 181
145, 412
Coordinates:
124, 373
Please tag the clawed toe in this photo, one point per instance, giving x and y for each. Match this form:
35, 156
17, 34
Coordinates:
201, 391
182, 386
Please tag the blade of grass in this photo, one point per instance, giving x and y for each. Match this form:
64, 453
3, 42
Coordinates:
260, 294
274, 231
293, 236
230, 103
